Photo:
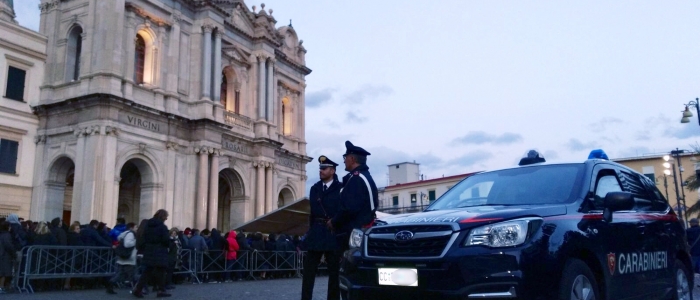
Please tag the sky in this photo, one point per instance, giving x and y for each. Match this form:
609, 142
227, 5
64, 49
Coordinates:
464, 86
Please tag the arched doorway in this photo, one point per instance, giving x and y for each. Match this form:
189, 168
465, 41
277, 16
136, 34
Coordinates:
135, 191
285, 197
230, 188
59, 192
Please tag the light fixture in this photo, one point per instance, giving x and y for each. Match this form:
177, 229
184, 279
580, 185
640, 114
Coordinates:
667, 157
667, 165
687, 113
667, 172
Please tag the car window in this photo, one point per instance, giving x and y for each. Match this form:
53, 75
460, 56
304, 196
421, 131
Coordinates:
659, 203
633, 184
606, 182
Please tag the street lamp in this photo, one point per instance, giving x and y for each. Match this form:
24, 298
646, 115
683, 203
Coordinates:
687, 113
680, 195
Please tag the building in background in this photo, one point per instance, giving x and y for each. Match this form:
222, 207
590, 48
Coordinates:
196, 107
652, 167
22, 56
407, 192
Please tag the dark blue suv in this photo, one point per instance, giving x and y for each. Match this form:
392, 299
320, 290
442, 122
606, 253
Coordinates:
590, 230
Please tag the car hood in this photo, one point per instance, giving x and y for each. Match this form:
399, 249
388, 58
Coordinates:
472, 216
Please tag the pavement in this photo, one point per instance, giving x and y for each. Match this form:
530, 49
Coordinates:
275, 289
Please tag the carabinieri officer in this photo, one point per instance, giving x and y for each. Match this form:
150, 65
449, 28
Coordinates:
324, 199
358, 199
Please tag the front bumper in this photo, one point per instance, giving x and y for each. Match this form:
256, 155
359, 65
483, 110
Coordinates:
464, 274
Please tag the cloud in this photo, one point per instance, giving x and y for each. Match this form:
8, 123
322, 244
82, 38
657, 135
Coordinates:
550, 155
480, 137
471, 159
318, 98
368, 92
576, 145
354, 118
603, 123
634, 152
684, 131
331, 124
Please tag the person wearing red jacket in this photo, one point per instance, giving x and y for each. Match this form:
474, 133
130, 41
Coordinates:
232, 247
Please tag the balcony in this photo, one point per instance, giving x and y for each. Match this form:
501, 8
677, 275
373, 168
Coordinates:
234, 119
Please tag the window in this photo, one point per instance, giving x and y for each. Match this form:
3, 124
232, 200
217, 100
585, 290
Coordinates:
15, 83
395, 200
139, 59
431, 195
73, 50
8, 156
413, 198
237, 102
224, 89
286, 116
648, 171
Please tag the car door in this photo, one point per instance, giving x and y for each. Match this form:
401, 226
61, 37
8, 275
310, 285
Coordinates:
618, 241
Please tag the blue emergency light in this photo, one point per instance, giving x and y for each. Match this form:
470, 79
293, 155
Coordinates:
532, 157
598, 154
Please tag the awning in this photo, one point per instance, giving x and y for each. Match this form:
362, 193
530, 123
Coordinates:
292, 219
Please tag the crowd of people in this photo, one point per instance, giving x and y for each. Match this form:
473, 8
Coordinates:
230, 248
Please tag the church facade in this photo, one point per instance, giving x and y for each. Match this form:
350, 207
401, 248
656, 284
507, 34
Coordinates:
193, 106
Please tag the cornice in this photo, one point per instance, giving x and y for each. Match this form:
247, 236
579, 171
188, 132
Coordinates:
145, 14
283, 57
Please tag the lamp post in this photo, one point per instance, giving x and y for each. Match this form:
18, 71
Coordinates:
680, 202
667, 172
687, 113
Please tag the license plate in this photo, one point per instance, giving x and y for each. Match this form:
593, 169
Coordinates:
402, 277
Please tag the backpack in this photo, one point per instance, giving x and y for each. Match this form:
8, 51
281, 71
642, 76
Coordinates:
121, 251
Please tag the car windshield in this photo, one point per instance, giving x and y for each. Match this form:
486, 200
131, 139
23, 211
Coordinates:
543, 184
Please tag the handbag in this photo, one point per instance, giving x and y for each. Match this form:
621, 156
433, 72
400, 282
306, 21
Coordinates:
121, 251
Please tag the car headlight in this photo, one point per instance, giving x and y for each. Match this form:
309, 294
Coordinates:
356, 238
504, 234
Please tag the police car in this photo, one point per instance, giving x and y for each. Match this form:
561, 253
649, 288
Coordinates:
589, 230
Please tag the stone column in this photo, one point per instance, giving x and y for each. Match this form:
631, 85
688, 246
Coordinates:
217, 66
130, 45
40, 190
170, 183
173, 55
260, 193
271, 102
268, 188
261, 88
78, 176
206, 61
202, 185
213, 211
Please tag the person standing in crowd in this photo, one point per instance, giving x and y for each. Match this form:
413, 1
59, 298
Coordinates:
8, 254
197, 242
91, 238
358, 199
320, 240
43, 236
125, 266
57, 231
244, 250
73, 239
19, 234
693, 235
231, 254
156, 241
173, 257
117, 230
258, 245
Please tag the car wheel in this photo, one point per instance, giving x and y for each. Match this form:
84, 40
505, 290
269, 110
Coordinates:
682, 287
577, 282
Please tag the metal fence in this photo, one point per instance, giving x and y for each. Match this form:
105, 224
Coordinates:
52, 262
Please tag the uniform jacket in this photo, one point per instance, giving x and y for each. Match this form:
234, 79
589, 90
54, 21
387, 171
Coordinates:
323, 205
157, 243
355, 207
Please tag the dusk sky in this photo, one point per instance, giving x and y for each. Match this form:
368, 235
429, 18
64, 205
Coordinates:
463, 86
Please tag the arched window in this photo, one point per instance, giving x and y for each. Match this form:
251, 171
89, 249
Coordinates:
73, 49
139, 59
224, 89
286, 116
237, 102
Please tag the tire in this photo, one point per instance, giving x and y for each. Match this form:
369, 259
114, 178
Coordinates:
577, 282
682, 287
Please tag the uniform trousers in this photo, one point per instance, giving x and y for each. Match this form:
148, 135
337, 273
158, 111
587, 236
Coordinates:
311, 266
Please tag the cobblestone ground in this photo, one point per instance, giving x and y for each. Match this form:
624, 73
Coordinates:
277, 289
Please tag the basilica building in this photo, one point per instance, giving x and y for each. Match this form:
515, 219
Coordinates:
193, 106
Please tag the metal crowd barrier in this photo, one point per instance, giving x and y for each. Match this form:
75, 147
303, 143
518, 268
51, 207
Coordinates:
51, 262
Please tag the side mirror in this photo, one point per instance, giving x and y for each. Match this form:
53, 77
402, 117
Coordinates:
616, 201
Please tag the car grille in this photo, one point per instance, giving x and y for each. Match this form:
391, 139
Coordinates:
417, 247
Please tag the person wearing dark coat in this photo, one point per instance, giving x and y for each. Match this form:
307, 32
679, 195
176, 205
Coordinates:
73, 236
8, 254
18, 232
243, 253
358, 199
58, 232
43, 236
91, 238
156, 244
324, 202
258, 244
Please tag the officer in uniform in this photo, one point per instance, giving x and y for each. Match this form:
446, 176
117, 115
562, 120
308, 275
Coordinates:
320, 240
358, 199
